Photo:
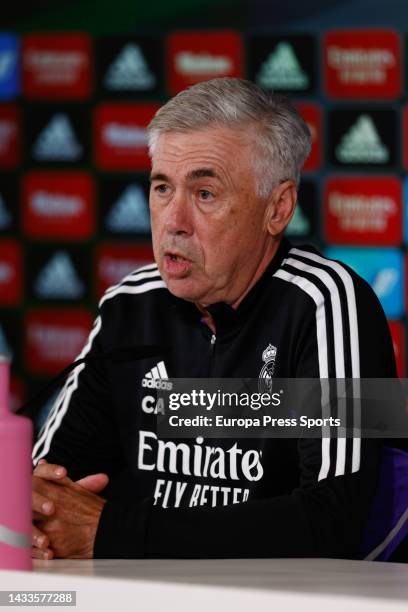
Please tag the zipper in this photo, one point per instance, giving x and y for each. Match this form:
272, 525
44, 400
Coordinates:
212, 353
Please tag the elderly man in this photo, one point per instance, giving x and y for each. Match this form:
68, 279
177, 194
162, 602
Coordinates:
226, 293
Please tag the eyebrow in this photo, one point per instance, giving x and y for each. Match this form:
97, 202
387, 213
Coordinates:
192, 175
202, 173
158, 176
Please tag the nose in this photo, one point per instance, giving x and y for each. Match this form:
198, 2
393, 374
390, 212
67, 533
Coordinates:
178, 215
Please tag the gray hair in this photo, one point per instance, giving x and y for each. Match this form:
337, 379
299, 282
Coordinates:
282, 138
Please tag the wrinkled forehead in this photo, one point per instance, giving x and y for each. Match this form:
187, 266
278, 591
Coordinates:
222, 149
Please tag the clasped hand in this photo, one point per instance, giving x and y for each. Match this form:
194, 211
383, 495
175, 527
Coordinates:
65, 513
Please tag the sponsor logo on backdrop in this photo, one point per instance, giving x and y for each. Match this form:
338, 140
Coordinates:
121, 136
281, 70
124, 136
58, 204
129, 71
5, 216
57, 141
54, 338
382, 268
363, 210
130, 212
10, 273
194, 65
115, 261
45, 203
198, 56
283, 62
58, 279
361, 144
363, 63
9, 136
56, 66
363, 136
9, 72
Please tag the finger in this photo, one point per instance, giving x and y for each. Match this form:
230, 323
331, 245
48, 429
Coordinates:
39, 539
94, 483
36, 553
41, 505
50, 471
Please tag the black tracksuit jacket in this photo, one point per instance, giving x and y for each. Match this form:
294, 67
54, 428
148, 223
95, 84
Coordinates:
272, 497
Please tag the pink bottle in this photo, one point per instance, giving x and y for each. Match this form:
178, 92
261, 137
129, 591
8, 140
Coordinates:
15, 481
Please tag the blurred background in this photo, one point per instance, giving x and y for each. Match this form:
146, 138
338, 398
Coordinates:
80, 80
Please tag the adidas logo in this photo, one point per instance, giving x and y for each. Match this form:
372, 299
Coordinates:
5, 217
129, 71
58, 279
362, 144
57, 141
281, 70
7, 62
299, 224
156, 378
5, 348
196, 64
130, 212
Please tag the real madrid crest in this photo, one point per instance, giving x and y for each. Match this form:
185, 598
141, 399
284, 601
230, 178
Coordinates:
269, 357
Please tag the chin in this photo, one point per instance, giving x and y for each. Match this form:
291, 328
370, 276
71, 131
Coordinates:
183, 289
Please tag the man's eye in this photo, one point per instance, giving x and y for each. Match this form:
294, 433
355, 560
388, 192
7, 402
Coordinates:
205, 194
161, 188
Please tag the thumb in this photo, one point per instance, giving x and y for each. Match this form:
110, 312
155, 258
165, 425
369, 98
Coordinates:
94, 483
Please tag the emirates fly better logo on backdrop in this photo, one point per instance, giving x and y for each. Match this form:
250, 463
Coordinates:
364, 210
54, 338
115, 261
362, 64
56, 66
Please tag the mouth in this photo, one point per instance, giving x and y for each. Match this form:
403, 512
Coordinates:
176, 265
175, 257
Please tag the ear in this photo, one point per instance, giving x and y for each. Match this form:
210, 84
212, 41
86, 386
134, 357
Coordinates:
280, 207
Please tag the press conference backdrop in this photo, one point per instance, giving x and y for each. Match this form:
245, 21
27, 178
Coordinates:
74, 105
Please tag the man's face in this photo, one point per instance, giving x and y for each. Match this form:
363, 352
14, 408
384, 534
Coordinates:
207, 221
